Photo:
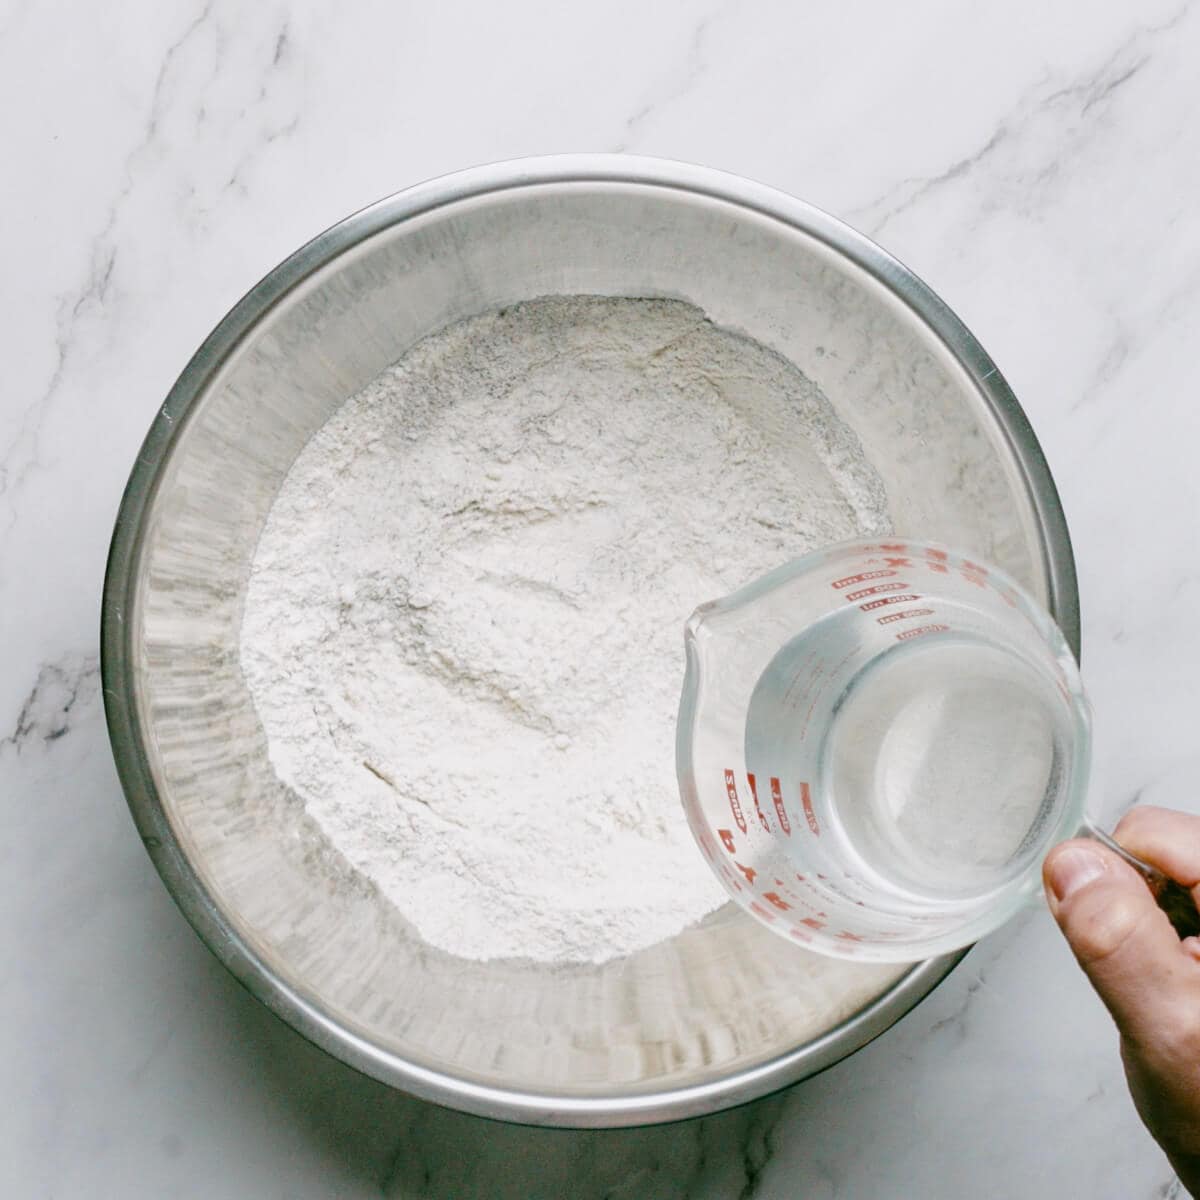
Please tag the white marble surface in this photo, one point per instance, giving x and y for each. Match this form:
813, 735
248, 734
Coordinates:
1038, 164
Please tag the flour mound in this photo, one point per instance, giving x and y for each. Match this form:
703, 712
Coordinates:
463, 626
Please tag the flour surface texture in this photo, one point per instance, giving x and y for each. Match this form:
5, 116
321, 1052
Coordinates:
463, 626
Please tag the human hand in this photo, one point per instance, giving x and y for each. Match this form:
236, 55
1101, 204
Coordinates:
1147, 978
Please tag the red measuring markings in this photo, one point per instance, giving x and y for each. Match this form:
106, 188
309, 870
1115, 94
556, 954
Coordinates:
787, 890
780, 811
809, 815
934, 553
735, 804
790, 893
846, 936
939, 567
777, 900
876, 589
758, 910
920, 631
726, 836
894, 547
813, 923
862, 577
906, 615
762, 818
898, 562
749, 872
884, 601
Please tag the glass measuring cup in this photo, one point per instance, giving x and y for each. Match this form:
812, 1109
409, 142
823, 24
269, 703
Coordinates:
877, 743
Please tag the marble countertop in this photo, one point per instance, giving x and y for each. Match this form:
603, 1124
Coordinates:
1038, 165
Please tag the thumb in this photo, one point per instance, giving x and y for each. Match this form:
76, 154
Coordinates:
1122, 940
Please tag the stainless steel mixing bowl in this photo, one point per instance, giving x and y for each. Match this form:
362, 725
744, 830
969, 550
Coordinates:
725, 1011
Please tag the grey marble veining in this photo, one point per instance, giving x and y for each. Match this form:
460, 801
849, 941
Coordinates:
1048, 109
61, 690
1038, 166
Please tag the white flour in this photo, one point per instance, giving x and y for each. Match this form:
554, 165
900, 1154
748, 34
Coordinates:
463, 628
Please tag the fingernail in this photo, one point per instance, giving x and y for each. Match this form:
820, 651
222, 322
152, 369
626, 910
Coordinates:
1071, 868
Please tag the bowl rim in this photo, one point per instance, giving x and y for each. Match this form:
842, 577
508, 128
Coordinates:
637, 1106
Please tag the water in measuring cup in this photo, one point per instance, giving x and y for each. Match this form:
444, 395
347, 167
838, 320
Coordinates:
933, 767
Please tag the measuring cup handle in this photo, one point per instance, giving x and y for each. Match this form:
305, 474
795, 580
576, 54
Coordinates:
1173, 898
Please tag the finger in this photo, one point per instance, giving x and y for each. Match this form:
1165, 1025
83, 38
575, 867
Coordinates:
1164, 838
1122, 940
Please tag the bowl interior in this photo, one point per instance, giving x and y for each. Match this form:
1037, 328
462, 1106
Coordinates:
721, 998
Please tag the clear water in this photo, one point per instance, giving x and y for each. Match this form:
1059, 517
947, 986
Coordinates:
933, 768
